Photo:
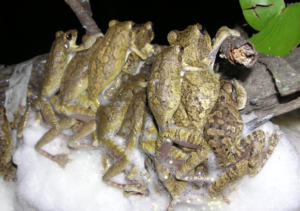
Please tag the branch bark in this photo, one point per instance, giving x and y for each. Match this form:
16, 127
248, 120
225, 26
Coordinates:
83, 13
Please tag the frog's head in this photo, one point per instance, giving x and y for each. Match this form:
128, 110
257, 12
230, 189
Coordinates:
143, 34
196, 42
193, 33
67, 39
226, 92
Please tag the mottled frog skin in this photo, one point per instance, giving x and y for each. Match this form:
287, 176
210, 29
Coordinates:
123, 114
56, 64
110, 57
181, 105
223, 132
7, 168
196, 93
143, 35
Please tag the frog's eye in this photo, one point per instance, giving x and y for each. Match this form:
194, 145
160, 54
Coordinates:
133, 25
69, 36
202, 29
181, 48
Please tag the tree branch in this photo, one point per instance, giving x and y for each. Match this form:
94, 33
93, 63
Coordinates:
82, 13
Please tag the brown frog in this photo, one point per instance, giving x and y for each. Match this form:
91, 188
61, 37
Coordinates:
223, 133
58, 59
110, 57
111, 51
122, 114
186, 101
143, 35
7, 168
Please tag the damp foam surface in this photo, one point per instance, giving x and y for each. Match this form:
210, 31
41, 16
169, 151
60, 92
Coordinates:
43, 185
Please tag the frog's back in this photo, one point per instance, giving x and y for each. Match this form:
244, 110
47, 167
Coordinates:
200, 91
164, 88
224, 126
108, 60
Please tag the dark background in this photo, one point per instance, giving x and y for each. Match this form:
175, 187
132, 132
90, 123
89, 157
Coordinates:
28, 27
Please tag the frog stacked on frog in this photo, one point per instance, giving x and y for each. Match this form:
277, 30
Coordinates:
185, 102
223, 133
123, 114
58, 59
104, 59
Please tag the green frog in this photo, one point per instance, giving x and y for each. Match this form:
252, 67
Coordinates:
223, 133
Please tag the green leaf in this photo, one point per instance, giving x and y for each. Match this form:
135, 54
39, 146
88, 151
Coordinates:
259, 13
281, 35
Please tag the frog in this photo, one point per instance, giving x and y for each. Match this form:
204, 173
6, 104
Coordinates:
73, 88
121, 115
143, 34
110, 57
223, 131
176, 188
59, 57
7, 167
185, 101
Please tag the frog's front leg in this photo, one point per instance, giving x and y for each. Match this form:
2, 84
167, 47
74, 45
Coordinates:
116, 168
143, 54
189, 140
61, 159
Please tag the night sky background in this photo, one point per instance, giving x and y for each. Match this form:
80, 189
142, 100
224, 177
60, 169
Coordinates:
28, 27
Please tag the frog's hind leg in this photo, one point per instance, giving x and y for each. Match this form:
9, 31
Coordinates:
186, 139
85, 130
174, 187
253, 144
273, 141
61, 159
228, 178
116, 168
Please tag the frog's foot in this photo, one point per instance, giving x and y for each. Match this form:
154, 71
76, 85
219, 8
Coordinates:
174, 186
187, 139
229, 177
133, 188
129, 193
273, 141
84, 131
61, 159
186, 171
